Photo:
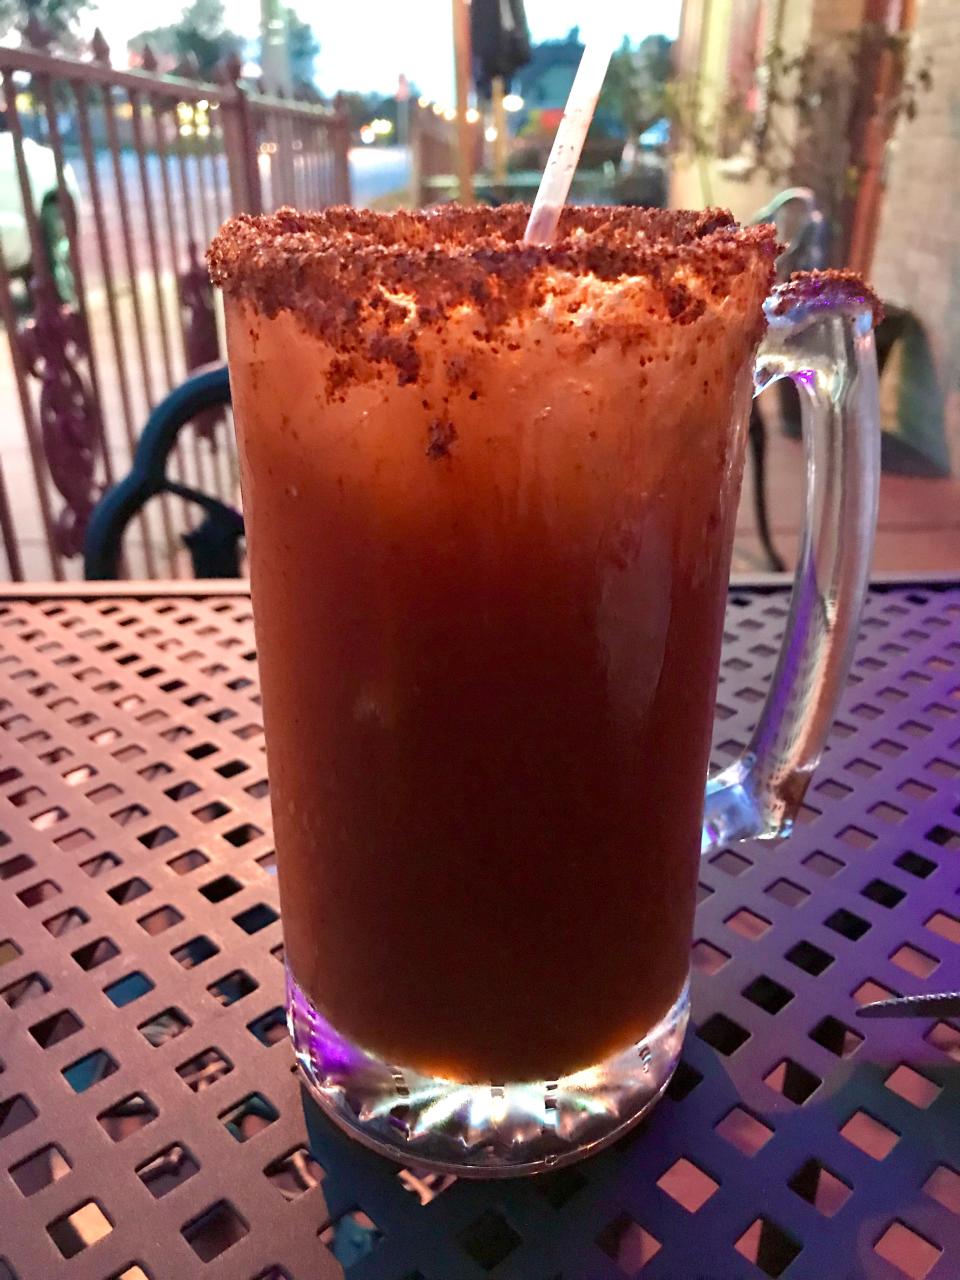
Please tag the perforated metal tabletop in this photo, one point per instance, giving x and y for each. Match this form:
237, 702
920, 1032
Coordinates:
150, 1120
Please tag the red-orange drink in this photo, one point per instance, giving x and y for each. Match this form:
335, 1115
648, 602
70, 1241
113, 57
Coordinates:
490, 495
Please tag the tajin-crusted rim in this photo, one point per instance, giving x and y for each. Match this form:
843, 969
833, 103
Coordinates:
338, 260
832, 288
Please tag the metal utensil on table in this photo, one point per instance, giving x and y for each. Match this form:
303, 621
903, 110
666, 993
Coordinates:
937, 1004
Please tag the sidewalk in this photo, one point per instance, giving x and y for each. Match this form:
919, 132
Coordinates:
918, 529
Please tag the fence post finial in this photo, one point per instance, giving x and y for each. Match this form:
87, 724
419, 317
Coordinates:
341, 155
99, 48
37, 34
233, 65
188, 68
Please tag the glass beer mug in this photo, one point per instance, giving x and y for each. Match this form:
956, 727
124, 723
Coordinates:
490, 492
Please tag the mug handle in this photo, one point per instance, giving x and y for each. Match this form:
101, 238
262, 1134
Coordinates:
820, 336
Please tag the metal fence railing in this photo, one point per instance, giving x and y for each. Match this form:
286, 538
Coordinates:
123, 177
434, 144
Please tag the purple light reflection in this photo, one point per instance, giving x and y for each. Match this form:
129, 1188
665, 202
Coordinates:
338, 1056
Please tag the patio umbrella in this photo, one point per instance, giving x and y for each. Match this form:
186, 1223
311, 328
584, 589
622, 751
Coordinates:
500, 41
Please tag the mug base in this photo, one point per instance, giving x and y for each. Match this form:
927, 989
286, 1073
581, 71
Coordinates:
481, 1130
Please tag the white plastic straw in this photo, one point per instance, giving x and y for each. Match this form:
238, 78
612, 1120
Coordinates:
567, 145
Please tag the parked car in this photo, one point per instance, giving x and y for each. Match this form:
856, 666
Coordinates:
56, 214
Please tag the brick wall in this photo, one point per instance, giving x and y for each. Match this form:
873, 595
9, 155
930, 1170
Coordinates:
917, 258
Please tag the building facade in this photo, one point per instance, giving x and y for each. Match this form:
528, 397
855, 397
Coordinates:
892, 193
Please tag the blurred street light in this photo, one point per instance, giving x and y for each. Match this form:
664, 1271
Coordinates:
378, 128
512, 102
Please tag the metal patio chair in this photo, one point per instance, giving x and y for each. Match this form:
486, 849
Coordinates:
214, 545
803, 229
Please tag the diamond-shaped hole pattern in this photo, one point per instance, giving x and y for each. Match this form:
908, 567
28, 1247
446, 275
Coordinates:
221, 888
688, 1184
785, 891
870, 1135
249, 1117
32, 987
125, 990
810, 958
815, 1183
915, 864
912, 1085
744, 1131
708, 958
164, 1026
150, 856
167, 1170
943, 1185
824, 864
271, 1027
89, 1070
914, 961
215, 1230
847, 923
194, 952
15, 1113
57, 1027
793, 1080
158, 921
885, 894
96, 953
629, 1245
294, 1174
768, 994
945, 925
768, 1247
351, 1237
734, 864
204, 1069
870, 991
232, 987
723, 1034
908, 1250
489, 1240
748, 924
127, 1116
42, 1169
832, 1034
76, 1231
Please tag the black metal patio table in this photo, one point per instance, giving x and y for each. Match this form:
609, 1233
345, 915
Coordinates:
151, 1123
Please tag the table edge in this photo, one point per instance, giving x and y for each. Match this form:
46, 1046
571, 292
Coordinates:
152, 588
